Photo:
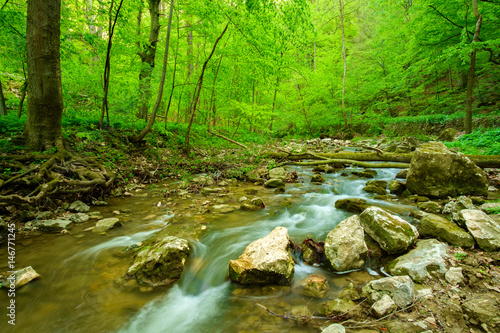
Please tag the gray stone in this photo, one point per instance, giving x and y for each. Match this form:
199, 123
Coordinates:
392, 233
278, 173
383, 306
79, 207
482, 309
54, 226
483, 228
265, 261
338, 307
18, 278
99, 203
427, 258
161, 261
400, 288
274, 183
345, 247
222, 209
350, 292
455, 206
79, 217
454, 275
334, 328
435, 171
430, 207
436, 226
107, 224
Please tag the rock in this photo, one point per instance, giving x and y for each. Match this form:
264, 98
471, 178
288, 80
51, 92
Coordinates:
437, 172
383, 306
325, 168
454, 208
449, 135
402, 174
209, 190
345, 247
334, 328
490, 207
375, 252
79, 207
375, 189
279, 190
46, 215
314, 285
350, 292
400, 288
312, 252
99, 203
317, 178
223, 183
353, 205
430, 207
274, 183
79, 217
392, 233
161, 262
339, 306
396, 187
222, 209
265, 261
204, 180
483, 228
454, 275
54, 226
25, 216
365, 173
248, 206
482, 309
250, 191
377, 182
427, 258
278, 173
18, 278
257, 175
107, 224
436, 226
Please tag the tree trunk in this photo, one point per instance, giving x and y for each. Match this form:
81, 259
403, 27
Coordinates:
470, 80
162, 82
24, 87
45, 103
148, 55
3, 108
345, 62
198, 89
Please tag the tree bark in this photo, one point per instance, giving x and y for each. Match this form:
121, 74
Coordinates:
45, 103
148, 55
162, 82
470, 79
3, 108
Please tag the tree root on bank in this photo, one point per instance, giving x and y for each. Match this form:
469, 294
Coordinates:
24, 181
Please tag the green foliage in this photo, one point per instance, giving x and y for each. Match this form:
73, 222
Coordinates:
481, 142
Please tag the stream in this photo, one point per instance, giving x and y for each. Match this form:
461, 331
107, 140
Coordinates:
78, 289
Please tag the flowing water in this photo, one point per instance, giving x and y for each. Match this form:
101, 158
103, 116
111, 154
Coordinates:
79, 288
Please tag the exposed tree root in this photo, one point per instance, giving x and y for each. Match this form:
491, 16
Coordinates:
61, 173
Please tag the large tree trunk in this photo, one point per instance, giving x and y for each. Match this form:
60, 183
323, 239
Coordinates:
345, 62
470, 80
148, 55
45, 103
3, 108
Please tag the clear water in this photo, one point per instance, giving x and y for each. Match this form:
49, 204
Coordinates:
78, 291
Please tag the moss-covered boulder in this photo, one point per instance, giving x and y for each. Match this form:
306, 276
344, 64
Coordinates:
274, 183
430, 207
317, 178
345, 247
353, 205
160, 262
432, 225
314, 285
265, 261
278, 173
437, 172
368, 173
396, 187
392, 233
375, 189
449, 134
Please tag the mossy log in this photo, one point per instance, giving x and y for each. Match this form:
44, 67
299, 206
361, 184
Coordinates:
483, 161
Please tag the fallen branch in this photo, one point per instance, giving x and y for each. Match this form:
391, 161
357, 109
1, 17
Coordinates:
354, 162
227, 139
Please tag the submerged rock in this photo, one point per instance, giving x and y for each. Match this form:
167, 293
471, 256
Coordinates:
368, 173
345, 247
338, 307
483, 228
18, 278
435, 171
392, 233
107, 224
314, 285
54, 226
427, 258
265, 261
436, 226
160, 263
317, 178
400, 288
353, 205
350, 292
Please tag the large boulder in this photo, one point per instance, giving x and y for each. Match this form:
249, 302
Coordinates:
435, 171
400, 288
436, 226
345, 247
392, 233
160, 262
278, 173
427, 258
265, 261
483, 228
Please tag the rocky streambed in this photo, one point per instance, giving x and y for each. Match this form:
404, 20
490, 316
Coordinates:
304, 251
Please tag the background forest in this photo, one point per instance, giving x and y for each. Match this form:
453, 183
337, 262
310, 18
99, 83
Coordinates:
281, 68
